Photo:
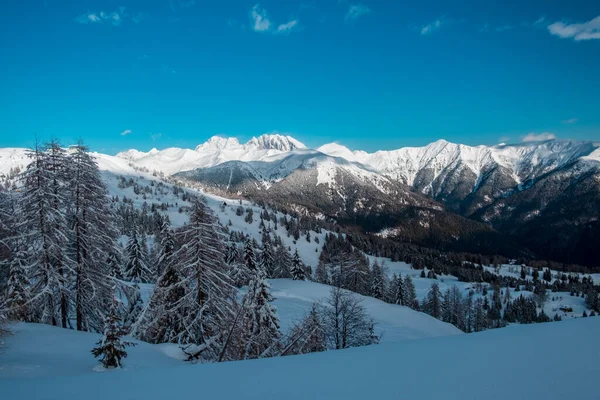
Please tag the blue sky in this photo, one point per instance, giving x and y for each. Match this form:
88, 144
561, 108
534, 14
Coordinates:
368, 74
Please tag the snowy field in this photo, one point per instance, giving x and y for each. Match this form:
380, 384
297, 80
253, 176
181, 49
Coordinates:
520, 362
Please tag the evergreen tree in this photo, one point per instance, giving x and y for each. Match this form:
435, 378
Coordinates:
378, 283
298, 273
110, 347
398, 292
135, 305
433, 303
162, 321
13, 247
410, 293
18, 296
480, 321
308, 336
93, 239
206, 306
114, 264
166, 247
282, 263
452, 308
321, 275
58, 165
267, 259
260, 323
44, 225
249, 256
136, 269
237, 270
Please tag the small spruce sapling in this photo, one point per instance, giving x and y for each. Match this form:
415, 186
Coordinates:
110, 347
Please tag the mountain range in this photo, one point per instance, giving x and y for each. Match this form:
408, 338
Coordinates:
544, 196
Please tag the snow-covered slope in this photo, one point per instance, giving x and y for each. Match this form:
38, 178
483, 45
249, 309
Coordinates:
528, 362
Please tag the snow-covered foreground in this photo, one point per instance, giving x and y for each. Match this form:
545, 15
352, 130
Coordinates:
528, 362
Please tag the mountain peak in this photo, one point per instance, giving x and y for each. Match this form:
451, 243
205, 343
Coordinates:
337, 150
276, 141
217, 143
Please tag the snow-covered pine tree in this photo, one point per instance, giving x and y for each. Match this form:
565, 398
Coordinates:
44, 225
321, 274
398, 291
13, 262
250, 256
207, 304
162, 319
267, 258
110, 347
93, 239
298, 273
410, 293
307, 336
377, 278
149, 261
135, 305
166, 247
237, 270
452, 308
283, 263
18, 286
136, 269
114, 264
433, 302
260, 327
58, 165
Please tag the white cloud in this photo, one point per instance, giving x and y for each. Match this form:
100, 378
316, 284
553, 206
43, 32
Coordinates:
570, 121
432, 27
261, 22
155, 136
356, 11
584, 31
116, 17
540, 21
126, 132
287, 27
260, 19
535, 137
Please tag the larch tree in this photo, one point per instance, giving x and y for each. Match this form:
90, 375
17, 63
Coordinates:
207, 303
58, 164
93, 239
45, 227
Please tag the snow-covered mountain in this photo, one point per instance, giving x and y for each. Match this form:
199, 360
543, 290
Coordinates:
534, 191
215, 151
511, 187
